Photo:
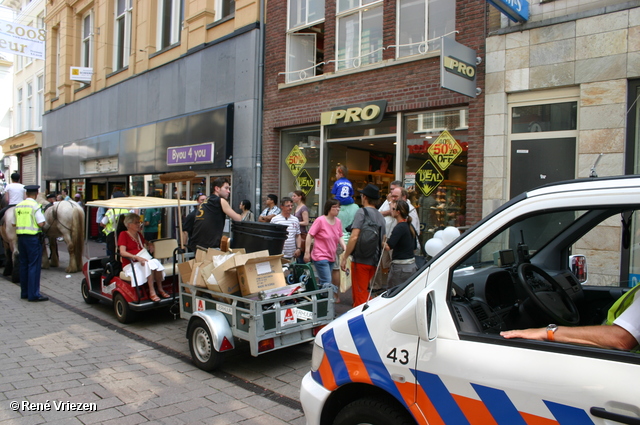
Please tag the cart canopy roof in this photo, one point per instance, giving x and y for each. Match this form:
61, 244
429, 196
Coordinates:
142, 202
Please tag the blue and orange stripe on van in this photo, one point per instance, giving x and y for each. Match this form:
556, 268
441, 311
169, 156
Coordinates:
429, 400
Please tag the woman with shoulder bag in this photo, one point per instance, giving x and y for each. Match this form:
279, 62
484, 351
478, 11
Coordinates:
403, 242
326, 235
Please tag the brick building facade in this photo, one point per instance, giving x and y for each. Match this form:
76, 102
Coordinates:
410, 85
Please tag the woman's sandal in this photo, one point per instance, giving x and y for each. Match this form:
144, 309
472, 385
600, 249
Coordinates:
164, 294
155, 298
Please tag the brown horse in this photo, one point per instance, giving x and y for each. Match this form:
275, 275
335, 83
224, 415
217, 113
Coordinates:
64, 219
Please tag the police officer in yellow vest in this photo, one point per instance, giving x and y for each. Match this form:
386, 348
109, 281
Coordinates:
29, 222
110, 221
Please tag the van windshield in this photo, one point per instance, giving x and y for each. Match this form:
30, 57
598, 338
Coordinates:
534, 231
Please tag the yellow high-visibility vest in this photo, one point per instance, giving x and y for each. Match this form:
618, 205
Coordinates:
26, 217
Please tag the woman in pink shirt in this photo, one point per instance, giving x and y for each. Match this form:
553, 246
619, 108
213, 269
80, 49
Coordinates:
326, 234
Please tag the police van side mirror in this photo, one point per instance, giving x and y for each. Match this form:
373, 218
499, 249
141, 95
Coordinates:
578, 266
432, 317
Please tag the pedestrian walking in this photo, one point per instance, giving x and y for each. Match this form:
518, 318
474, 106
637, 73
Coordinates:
29, 223
302, 213
187, 223
403, 243
365, 244
292, 244
245, 210
326, 235
152, 218
209, 222
271, 210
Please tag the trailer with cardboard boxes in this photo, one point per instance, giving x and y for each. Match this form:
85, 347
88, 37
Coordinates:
252, 297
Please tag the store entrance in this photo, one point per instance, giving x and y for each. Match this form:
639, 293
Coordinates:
368, 161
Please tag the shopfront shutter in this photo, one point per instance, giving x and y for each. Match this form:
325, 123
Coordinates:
29, 169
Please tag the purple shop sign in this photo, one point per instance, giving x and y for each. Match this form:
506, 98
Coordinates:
192, 154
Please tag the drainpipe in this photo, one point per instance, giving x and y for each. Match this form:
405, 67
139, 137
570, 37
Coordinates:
259, 111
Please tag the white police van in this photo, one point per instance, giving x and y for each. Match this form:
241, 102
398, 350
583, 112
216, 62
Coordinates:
430, 352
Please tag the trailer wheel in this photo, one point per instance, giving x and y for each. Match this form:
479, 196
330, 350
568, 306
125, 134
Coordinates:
373, 411
86, 295
201, 345
124, 314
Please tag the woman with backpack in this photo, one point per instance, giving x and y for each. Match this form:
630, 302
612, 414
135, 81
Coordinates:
402, 241
326, 235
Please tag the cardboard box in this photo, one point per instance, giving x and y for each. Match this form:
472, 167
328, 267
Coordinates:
224, 277
185, 270
259, 273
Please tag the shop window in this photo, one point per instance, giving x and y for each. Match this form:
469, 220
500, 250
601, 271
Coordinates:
547, 117
224, 8
300, 162
305, 39
170, 16
87, 41
421, 23
359, 33
122, 34
435, 168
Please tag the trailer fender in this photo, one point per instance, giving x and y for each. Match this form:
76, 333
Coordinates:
218, 327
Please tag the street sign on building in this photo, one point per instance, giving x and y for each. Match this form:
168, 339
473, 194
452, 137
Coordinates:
445, 150
428, 177
80, 73
516, 10
457, 67
192, 154
304, 182
295, 160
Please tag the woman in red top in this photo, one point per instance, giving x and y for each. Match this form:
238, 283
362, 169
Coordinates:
133, 247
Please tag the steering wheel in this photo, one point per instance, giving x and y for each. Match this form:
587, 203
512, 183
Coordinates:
548, 295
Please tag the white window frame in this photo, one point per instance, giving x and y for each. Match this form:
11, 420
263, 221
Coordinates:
219, 6
303, 5
19, 110
29, 109
124, 19
56, 68
86, 45
422, 45
341, 64
40, 100
175, 24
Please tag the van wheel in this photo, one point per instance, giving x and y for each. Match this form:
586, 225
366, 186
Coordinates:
86, 295
201, 346
373, 411
124, 314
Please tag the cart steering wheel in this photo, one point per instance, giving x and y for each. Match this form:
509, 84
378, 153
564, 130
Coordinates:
548, 295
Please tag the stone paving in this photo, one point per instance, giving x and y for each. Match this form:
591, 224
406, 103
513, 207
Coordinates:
65, 351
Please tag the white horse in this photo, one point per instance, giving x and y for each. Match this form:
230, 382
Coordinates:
64, 219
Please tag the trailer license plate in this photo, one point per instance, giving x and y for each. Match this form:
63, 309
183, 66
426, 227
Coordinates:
226, 309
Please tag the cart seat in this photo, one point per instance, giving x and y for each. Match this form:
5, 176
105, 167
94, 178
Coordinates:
163, 251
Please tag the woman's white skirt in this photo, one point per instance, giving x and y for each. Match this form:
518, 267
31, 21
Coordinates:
143, 271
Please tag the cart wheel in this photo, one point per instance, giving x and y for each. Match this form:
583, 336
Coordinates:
124, 314
201, 345
86, 296
373, 411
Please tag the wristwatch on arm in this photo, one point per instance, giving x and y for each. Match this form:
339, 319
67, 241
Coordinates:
551, 330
